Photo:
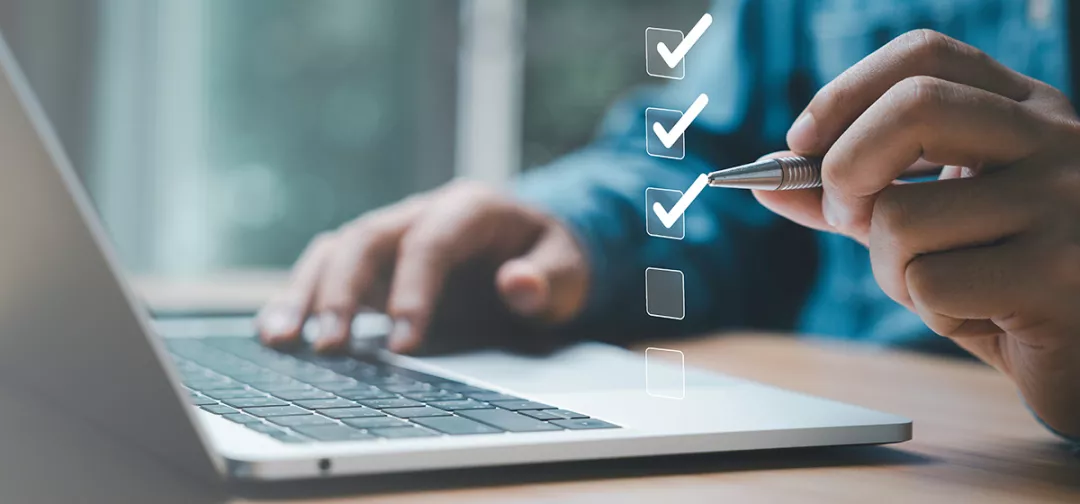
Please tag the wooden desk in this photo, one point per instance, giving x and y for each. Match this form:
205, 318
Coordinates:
974, 441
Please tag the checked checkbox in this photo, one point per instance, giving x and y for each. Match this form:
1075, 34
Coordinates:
665, 50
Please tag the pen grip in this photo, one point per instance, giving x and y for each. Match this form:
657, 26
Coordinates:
799, 173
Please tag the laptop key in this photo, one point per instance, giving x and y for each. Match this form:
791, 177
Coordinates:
521, 405
211, 384
541, 414
390, 403
508, 420
585, 423
288, 437
234, 393
201, 400
365, 394
275, 411
241, 418
421, 411
254, 402
460, 388
343, 384
336, 402
356, 412
264, 428
456, 426
274, 388
334, 433
402, 432
293, 421
567, 414
302, 395
317, 375
374, 422
403, 388
489, 396
219, 409
462, 404
433, 395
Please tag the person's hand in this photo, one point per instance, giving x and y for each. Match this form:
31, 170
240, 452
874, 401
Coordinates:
402, 258
990, 254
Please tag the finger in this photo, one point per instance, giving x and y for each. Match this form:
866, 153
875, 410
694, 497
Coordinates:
961, 293
549, 282
364, 249
921, 52
915, 219
461, 228
281, 321
940, 121
801, 206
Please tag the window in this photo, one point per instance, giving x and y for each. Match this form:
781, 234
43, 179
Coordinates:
223, 134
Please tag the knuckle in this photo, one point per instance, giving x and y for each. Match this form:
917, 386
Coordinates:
324, 240
927, 45
891, 218
470, 189
1065, 266
421, 242
335, 306
917, 95
335, 296
921, 281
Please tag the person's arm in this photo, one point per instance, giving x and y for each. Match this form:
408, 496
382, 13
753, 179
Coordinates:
734, 274
981, 255
570, 249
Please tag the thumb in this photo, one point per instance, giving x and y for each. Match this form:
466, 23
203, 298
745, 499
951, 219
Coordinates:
802, 206
549, 282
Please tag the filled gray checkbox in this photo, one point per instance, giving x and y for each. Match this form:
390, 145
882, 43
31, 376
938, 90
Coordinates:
664, 293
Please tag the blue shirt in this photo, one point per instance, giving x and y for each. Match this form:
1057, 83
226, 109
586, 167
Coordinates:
745, 267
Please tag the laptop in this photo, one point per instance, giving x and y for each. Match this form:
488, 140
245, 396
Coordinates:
213, 402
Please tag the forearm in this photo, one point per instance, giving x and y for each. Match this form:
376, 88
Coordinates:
599, 194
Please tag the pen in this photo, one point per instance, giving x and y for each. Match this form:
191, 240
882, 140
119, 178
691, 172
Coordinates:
779, 174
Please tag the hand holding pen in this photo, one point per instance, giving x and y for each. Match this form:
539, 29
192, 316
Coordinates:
987, 254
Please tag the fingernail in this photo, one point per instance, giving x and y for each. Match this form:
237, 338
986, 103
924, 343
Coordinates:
278, 324
329, 331
525, 300
834, 213
401, 335
803, 135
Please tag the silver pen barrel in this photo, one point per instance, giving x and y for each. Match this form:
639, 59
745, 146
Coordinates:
779, 174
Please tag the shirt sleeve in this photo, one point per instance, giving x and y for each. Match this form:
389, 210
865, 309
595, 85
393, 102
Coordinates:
733, 273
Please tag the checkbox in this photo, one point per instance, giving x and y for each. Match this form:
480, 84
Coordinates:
654, 63
665, 373
667, 118
653, 225
664, 293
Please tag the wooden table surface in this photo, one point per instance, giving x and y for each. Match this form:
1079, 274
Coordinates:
974, 441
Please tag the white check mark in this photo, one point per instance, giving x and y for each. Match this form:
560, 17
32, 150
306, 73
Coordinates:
668, 138
669, 218
672, 58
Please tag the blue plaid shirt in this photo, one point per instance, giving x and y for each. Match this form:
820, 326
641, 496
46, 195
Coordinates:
745, 267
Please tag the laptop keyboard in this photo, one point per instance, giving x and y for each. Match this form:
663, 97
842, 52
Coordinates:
303, 397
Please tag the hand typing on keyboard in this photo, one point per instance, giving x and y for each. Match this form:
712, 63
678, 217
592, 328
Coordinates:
404, 258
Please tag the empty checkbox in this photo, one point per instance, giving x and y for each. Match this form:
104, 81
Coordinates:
664, 293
